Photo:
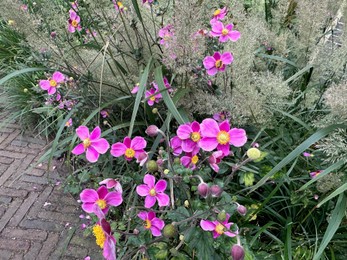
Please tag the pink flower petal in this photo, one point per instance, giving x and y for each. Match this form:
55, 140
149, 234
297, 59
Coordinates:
102, 192
238, 137
229, 234
79, 149
82, 132
101, 145
44, 84
109, 251
149, 180
160, 186
118, 149
188, 145
215, 234
88, 207
225, 126
138, 143
209, 128
142, 215
157, 222
71, 28
135, 90
150, 215
195, 126
163, 199
223, 38
225, 148
209, 62
186, 160
227, 58
127, 141
217, 55
58, 77
95, 134
217, 27
155, 231
142, 190
149, 201
89, 195
234, 35
229, 27
213, 71
72, 15
184, 131
92, 155
51, 91
214, 167
114, 199
208, 143
207, 225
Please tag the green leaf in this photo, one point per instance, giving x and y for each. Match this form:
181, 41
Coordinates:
288, 242
338, 191
278, 58
334, 223
137, 9
179, 214
19, 72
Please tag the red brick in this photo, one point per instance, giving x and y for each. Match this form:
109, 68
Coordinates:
28, 234
47, 247
9, 138
13, 192
36, 208
10, 170
11, 210
24, 208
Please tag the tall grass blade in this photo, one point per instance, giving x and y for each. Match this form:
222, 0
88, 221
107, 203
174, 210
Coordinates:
19, 72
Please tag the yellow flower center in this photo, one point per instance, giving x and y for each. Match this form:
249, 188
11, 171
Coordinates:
152, 98
219, 229
223, 137
195, 136
99, 235
195, 159
101, 203
217, 12
225, 31
120, 5
152, 192
74, 23
219, 64
86, 143
53, 83
148, 224
129, 152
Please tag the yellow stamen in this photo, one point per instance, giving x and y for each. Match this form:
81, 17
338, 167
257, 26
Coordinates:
148, 224
152, 192
219, 64
225, 31
99, 235
195, 159
120, 5
152, 98
53, 83
101, 203
129, 153
86, 143
217, 12
220, 229
223, 137
74, 23
195, 136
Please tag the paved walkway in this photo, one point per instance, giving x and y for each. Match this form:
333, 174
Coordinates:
37, 219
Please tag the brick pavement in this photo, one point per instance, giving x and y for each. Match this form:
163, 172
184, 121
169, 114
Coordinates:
37, 219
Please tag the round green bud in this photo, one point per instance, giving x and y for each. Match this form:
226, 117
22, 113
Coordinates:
253, 153
177, 161
152, 166
25, 90
222, 216
169, 230
155, 110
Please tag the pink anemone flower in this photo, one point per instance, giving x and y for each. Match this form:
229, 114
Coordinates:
219, 14
315, 174
176, 145
219, 228
190, 136
92, 144
74, 22
142, 158
166, 34
190, 160
129, 148
221, 136
53, 83
217, 62
112, 183
135, 88
224, 33
98, 202
105, 239
153, 95
153, 192
214, 159
151, 222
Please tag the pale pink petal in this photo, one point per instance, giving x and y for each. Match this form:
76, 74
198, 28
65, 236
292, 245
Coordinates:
209, 62
89, 195
118, 149
157, 222
155, 231
82, 132
138, 143
135, 90
229, 234
214, 167
101, 145
234, 35
149, 201
149, 180
238, 137
92, 155
51, 91
215, 34
71, 28
142, 215
114, 199
209, 128
88, 207
207, 225
44, 84
100, 213
213, 71
102, 192
188, 145
227, 58
223, 38
217, 27
109, 251
184, 131
142, 190
95, 134
186, 160
77, 19
79, 149
58, 77
208, 143
225, 126
225, 148
160, 186
72, 15
163, 199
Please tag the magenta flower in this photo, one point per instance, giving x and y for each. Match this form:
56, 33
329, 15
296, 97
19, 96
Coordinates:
220, 136
104, 113
190, 160
221, 116
129, 148
214, 159
315, 174
166, 34
219, 14
306, 154
142, 158
68, 123
147, 1
118, 5
155, 225
219, 228
92, 144
153, 95
153, 192
167, 85
74, 22
135, 88
53, 83
224, 33
112, 183
98, 202
190, 136
217, 62
176, 145
105, 239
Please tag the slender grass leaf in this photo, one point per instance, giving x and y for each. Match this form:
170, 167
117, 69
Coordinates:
137, 9
19, 72
261, 230
298, 74
288, 242
338, 191
277, 58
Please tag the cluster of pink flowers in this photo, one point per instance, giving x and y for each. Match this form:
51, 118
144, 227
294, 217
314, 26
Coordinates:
208, 136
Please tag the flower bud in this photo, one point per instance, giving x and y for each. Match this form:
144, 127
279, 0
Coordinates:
155, 110
166, 171
221, 216
237, 252
203, 189
253, 153
186, 203
242, 210
152, 166
160, 162
177, 161
216, 191
181, 237
152, 131
25, 90
169, 230
53, 35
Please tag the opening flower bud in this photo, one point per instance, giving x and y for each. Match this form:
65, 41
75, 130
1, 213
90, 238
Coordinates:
186, 203
152, 130
169, 230
152, 166
203, 189
155, 110
242, 210
221, 216
216, 191
237, 252
253, 153
177, 161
